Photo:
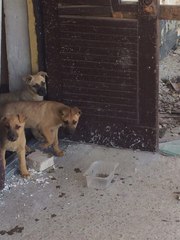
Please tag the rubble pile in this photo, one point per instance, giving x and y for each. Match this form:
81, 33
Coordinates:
169, 98
169, 91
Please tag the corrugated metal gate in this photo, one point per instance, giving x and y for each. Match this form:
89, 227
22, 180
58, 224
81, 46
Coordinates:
106, 66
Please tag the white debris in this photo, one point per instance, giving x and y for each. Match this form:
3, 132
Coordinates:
17, 181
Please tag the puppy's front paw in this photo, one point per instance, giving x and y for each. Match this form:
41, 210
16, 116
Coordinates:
60, 153
25, 174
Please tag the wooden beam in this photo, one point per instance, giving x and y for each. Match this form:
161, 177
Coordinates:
85, 10
125, 15
166, 12
148, 66
86, 2
32, 37
169, 12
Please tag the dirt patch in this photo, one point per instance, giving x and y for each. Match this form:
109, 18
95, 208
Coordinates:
14, 230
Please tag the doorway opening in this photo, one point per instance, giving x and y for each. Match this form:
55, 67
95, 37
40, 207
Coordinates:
169, 82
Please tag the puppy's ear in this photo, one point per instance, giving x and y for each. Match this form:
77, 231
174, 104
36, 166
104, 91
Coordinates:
43, 74
3, 119
21, 118
76, 110
28, 78
64, 111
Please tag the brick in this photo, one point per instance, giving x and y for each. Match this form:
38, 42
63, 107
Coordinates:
40, 161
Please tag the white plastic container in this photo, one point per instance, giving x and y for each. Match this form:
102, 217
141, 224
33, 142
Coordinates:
100, 174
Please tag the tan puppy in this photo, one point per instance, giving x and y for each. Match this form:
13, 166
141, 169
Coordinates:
46, 117
13, 139
33, 90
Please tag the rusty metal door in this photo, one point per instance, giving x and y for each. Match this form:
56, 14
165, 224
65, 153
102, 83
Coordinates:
107, 65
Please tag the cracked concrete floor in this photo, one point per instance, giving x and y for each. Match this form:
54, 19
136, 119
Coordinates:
56, 205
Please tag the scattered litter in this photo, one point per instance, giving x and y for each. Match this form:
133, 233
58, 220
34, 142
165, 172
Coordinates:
177, 195
42, 180
77, 170
62, 195
171, 148
52, 178
164, 220
175, 82
162, 130
40, 161
100, 174
52, 170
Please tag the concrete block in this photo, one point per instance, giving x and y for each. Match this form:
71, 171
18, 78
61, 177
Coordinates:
40, 161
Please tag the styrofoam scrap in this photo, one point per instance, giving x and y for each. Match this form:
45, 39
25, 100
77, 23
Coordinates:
40, 161
41, 180
16, 181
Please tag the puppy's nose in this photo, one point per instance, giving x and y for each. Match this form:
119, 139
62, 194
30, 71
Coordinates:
12, 137
42, 91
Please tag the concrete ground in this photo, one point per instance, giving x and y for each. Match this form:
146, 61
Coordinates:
140, 204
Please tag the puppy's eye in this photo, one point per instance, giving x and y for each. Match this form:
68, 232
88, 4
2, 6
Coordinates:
17, 127
65, 122
74, 122
36, 86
